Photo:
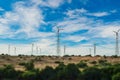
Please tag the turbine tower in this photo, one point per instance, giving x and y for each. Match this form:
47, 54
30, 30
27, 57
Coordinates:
15, 50
9, 49
36, 49
40, 50
58, 41
64, 50
94, 49
117, 42
32, 49
90, 51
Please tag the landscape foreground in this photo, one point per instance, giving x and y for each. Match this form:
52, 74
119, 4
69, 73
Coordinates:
59, 68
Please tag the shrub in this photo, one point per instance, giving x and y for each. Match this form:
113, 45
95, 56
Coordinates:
69, 72
47, 74
114, 56
92, 73
22, 63
93, 62
27, 65
28, 75
107, 73
9, 72
82, 64
1, 73
116, 76
58, 62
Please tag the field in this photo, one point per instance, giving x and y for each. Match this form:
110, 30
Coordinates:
41, 62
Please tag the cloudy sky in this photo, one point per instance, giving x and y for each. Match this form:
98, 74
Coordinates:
84, 22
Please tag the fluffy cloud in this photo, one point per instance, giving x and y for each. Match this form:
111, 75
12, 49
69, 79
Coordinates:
75, 38
1, 9
77, 20
50, 3
28, 19
99, 14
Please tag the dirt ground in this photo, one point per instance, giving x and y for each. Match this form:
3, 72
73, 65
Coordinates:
43, 61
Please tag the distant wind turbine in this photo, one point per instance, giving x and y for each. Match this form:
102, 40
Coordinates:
117, 42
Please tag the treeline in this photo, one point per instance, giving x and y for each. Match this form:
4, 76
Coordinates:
61, 72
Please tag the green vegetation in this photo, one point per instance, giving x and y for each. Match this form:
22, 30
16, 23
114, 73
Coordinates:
82, 64
62, 72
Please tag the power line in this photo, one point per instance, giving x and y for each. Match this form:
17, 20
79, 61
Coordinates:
117, 42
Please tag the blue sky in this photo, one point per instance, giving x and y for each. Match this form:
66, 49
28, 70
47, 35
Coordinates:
84, 22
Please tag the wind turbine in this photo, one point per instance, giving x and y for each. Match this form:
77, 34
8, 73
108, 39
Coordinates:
64, 50
32, 48
94, 49
9, 49
58, 40
117, 42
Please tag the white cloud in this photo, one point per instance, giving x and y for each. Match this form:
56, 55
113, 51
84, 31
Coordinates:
99, 14
76, 12
107, 31
28, 18
75, 38
54, 3
49, 3
1, 9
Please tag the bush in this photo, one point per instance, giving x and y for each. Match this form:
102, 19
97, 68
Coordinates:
28, 75
93, 62
102, 61
9, 72
47, 74
58, 62
82, 64
92, 73
69, 72
22, 63
28, 65
116, 76
1, 73
107, 73
114, 56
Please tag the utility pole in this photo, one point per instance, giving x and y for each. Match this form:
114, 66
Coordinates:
9, 49
58, 41
117, 42
32, 49
94, 49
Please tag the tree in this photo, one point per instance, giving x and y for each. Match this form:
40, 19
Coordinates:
92, 73
1, 73
28, 75
9, 72
47, 74
69, 72
116, 76
82, 64
29, 65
